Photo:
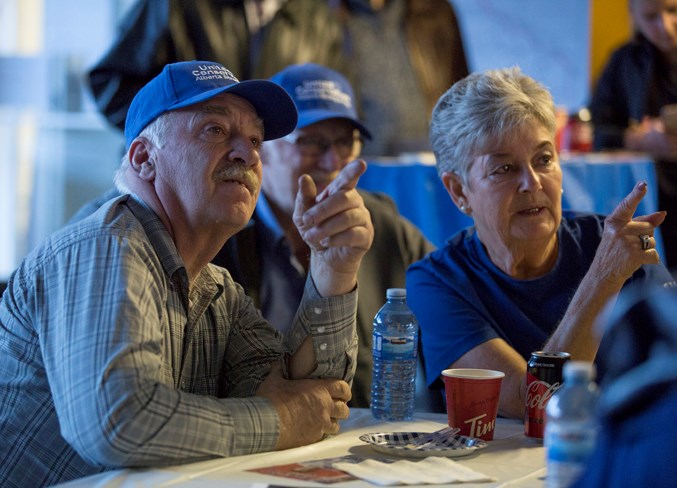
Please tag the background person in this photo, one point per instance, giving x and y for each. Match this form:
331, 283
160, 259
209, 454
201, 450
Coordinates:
121, 345
640, 79
269, 258
400, 55
232, 32
525, 277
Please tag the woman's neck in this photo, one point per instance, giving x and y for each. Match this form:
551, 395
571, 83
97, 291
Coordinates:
525, 261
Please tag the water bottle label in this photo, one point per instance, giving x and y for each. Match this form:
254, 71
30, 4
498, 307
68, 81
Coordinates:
570, 448
394, 347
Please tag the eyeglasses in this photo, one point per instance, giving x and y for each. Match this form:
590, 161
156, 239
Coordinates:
316, 146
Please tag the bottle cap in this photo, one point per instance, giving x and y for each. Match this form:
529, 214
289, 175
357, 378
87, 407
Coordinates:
396, 293
579, 370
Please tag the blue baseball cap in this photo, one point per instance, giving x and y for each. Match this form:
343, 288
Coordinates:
319, 93
190, 82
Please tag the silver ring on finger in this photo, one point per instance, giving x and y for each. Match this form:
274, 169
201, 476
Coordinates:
646, 241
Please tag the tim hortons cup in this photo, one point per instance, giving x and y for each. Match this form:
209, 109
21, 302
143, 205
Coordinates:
544, 377
472, 400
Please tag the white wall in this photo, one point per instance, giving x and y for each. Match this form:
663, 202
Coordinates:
56, 151
548, 39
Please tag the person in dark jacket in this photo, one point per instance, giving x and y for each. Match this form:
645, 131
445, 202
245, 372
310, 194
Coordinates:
400, 55
269, 259
156, 32
638, 81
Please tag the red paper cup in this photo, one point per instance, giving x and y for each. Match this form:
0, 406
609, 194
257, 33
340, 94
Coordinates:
472, 400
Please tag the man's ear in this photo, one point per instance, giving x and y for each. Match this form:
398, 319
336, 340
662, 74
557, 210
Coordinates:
140, 159
456, 190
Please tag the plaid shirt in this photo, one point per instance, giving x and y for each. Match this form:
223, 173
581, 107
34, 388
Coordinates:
108, 360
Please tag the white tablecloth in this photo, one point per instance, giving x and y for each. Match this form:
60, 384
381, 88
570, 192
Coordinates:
511, 458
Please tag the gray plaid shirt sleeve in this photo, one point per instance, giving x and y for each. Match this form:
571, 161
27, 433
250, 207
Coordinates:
332, 324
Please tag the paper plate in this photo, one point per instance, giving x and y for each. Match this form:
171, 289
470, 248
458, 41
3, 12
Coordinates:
402, 444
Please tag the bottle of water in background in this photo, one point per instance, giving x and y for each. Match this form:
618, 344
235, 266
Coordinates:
394, 349
571, 425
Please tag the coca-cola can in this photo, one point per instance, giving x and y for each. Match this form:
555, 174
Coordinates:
544, 377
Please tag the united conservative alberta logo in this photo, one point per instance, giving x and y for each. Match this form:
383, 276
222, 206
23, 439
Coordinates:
206, 72
323, 90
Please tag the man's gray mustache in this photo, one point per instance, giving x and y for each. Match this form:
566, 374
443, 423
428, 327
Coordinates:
246, 177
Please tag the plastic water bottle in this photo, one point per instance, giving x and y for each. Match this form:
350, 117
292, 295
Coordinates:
394, 349
571, 426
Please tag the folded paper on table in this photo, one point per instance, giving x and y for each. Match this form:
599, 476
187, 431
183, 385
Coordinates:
319, 470
432, 470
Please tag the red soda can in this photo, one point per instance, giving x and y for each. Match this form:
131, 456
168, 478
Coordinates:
544, 377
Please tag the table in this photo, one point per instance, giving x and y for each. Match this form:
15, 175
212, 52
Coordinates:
513, 459
592, 182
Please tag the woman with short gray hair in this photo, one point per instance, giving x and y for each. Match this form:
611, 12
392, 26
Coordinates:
525, 276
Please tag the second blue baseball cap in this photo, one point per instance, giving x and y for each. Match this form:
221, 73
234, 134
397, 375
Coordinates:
189, 82
319, 93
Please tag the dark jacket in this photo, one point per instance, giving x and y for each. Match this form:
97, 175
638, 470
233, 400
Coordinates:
395, 91
157, 32
636, 445
624, 93
633, 85
397, 244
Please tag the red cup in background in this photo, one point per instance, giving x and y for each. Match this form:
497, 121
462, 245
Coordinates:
472, 400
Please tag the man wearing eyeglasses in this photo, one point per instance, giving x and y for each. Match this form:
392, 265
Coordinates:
269, 258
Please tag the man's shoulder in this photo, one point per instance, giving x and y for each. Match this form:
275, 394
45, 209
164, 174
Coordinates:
378, 201
390, 226
93, 205
383, 209
117, 214
121, 219
112, 221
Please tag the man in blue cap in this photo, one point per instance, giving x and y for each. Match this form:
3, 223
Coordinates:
269, 258
121, 345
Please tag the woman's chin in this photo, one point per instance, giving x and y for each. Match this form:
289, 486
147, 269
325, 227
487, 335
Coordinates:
535, 232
